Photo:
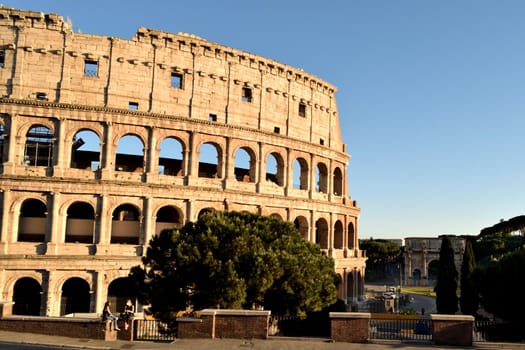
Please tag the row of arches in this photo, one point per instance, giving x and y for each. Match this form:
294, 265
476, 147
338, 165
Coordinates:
127, 224
76, 296
173, 155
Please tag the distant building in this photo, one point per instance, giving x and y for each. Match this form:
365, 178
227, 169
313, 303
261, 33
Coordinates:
421, 259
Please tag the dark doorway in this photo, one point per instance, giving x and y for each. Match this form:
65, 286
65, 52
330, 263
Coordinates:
75, 296
27, 295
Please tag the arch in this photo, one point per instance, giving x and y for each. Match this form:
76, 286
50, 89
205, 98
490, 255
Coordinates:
276, 216
27, 297
80, 224
119, 291
300, 174
321, 178
275, 169
75, 296
204, 211
301, 224
338, 182
85, 150
338, 235
321, 233
33, 221
433, 267
168, 217
125, 225
210, 164
350, 287
244, 165
416, 276
171, 156
351, 236
38, 148
130, 154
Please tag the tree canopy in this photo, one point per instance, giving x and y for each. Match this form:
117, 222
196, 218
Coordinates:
469, 300
383, 256
235, 260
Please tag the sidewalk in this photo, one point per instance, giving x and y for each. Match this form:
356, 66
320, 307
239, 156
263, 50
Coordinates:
221, 344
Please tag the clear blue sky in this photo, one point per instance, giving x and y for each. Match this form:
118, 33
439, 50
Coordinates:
430, 93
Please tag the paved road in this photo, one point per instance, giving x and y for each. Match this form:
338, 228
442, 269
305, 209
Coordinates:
16, 346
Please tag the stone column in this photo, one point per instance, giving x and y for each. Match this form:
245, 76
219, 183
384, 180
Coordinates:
108, 152
152, 160
148, 222
6, 230
54, 224
61, 143
104, 227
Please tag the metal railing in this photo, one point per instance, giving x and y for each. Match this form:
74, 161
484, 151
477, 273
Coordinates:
400, 327
498, 331
154, 330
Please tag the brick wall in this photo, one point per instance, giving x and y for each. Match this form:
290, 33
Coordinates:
452, 329
237, 324
61, 326
351, 327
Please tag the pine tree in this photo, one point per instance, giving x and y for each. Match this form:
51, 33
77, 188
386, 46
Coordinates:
447, 280
469, 299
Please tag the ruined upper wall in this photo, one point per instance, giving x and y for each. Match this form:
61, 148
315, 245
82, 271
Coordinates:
159, 72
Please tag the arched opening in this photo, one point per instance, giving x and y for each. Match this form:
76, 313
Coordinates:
351, 235
130, 154
350, 288
27, 296
167, 217
416, 276
206, 211
300, 174
33, 221
276, 216
209, 161
85, 150
338, 182
275, 169
171, 157
75, 296
433, 268
301, 224
119, 291
338, 235
321, 178
244, 165
321, 233
125, 226
38, 150
80, 224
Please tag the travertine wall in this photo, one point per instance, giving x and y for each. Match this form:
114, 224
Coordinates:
156, 86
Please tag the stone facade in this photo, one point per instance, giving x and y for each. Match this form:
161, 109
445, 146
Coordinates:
421, 253
103, 143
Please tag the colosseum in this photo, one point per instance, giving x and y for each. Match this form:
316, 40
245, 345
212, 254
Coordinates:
105, 141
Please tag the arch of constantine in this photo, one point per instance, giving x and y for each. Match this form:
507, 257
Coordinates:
421, 259
104, 142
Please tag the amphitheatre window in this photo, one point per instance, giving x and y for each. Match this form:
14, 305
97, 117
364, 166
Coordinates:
176, 80
209, 161
2, 140
32, 222
39, 146
244, 165
2, 59
133, 106
277, 130
90, 68
85, 150
321, 142
302, 110
300, 174
80, 224
275, 169
212, 117
130, 154
125, 225
321, 174
247, 95
338, 182
170, 157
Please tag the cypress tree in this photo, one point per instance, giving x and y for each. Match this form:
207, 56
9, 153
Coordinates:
469, 299
447, 280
